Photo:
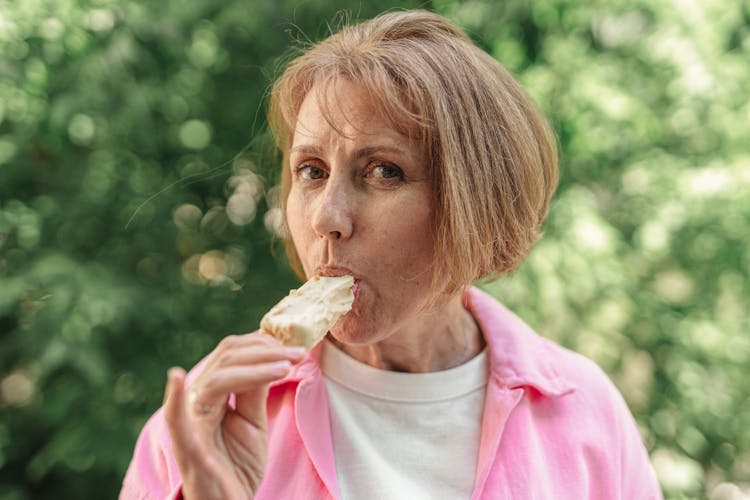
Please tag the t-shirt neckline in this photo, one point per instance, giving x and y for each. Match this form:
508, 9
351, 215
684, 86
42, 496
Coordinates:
401, 386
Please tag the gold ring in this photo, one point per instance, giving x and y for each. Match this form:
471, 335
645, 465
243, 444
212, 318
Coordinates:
201, 408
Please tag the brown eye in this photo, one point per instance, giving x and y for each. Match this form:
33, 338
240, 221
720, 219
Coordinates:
310, 172
387, 171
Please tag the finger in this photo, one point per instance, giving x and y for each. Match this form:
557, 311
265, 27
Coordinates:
214, 388
175, 413
251, 402
232, 343
251, 406
257, 354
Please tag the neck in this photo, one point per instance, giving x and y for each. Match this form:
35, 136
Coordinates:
433, 341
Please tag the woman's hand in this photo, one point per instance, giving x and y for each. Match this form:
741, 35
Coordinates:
221, 452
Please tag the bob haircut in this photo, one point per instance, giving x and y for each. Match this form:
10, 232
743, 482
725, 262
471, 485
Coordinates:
493, 156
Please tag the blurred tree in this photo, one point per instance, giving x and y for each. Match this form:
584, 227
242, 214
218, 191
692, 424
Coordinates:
138, 210
135, 181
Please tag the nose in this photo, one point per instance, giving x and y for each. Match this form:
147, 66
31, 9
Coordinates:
333, 217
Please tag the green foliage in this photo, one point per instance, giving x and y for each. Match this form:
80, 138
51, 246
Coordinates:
137, 213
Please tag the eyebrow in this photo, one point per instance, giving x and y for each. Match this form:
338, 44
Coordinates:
360, 153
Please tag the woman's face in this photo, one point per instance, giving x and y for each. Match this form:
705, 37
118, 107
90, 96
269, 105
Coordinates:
360, 203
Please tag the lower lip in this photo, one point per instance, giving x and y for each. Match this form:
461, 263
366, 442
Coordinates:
355, 288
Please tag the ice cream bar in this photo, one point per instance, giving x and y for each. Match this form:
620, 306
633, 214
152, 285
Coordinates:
305, 315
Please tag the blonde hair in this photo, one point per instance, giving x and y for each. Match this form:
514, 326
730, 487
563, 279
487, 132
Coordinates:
493, 154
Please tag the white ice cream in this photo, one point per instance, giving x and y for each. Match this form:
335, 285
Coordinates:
305, 315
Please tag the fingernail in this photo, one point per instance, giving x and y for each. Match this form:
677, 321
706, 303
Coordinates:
295, 351
280, 367
173, 373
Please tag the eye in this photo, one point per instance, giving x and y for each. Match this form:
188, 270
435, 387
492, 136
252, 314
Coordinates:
310, 172
387, 171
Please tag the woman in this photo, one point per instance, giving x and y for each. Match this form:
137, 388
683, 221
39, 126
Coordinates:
415, 163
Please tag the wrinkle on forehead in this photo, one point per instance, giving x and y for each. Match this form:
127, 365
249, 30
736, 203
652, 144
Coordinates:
348, 113
348, 109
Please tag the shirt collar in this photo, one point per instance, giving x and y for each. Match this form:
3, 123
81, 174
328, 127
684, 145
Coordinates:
518, 356
306, 368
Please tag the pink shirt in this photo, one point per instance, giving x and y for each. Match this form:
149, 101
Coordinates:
554, 427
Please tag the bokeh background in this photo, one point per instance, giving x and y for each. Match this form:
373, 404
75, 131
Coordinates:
138, 212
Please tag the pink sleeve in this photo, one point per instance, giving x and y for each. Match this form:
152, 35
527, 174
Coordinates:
637, 476
153, 472
614, 443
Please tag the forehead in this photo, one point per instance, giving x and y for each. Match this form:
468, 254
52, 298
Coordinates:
343, 111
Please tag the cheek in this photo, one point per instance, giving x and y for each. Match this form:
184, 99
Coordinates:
298, 223
415, 230
408, 240
295, 210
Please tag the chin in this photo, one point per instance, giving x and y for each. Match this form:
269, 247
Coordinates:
351, 329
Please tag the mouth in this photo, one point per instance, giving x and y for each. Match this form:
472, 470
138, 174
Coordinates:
335, 271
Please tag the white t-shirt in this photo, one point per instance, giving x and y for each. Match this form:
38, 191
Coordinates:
404, 435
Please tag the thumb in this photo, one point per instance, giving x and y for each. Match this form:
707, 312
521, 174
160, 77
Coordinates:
251, 405
175, 416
